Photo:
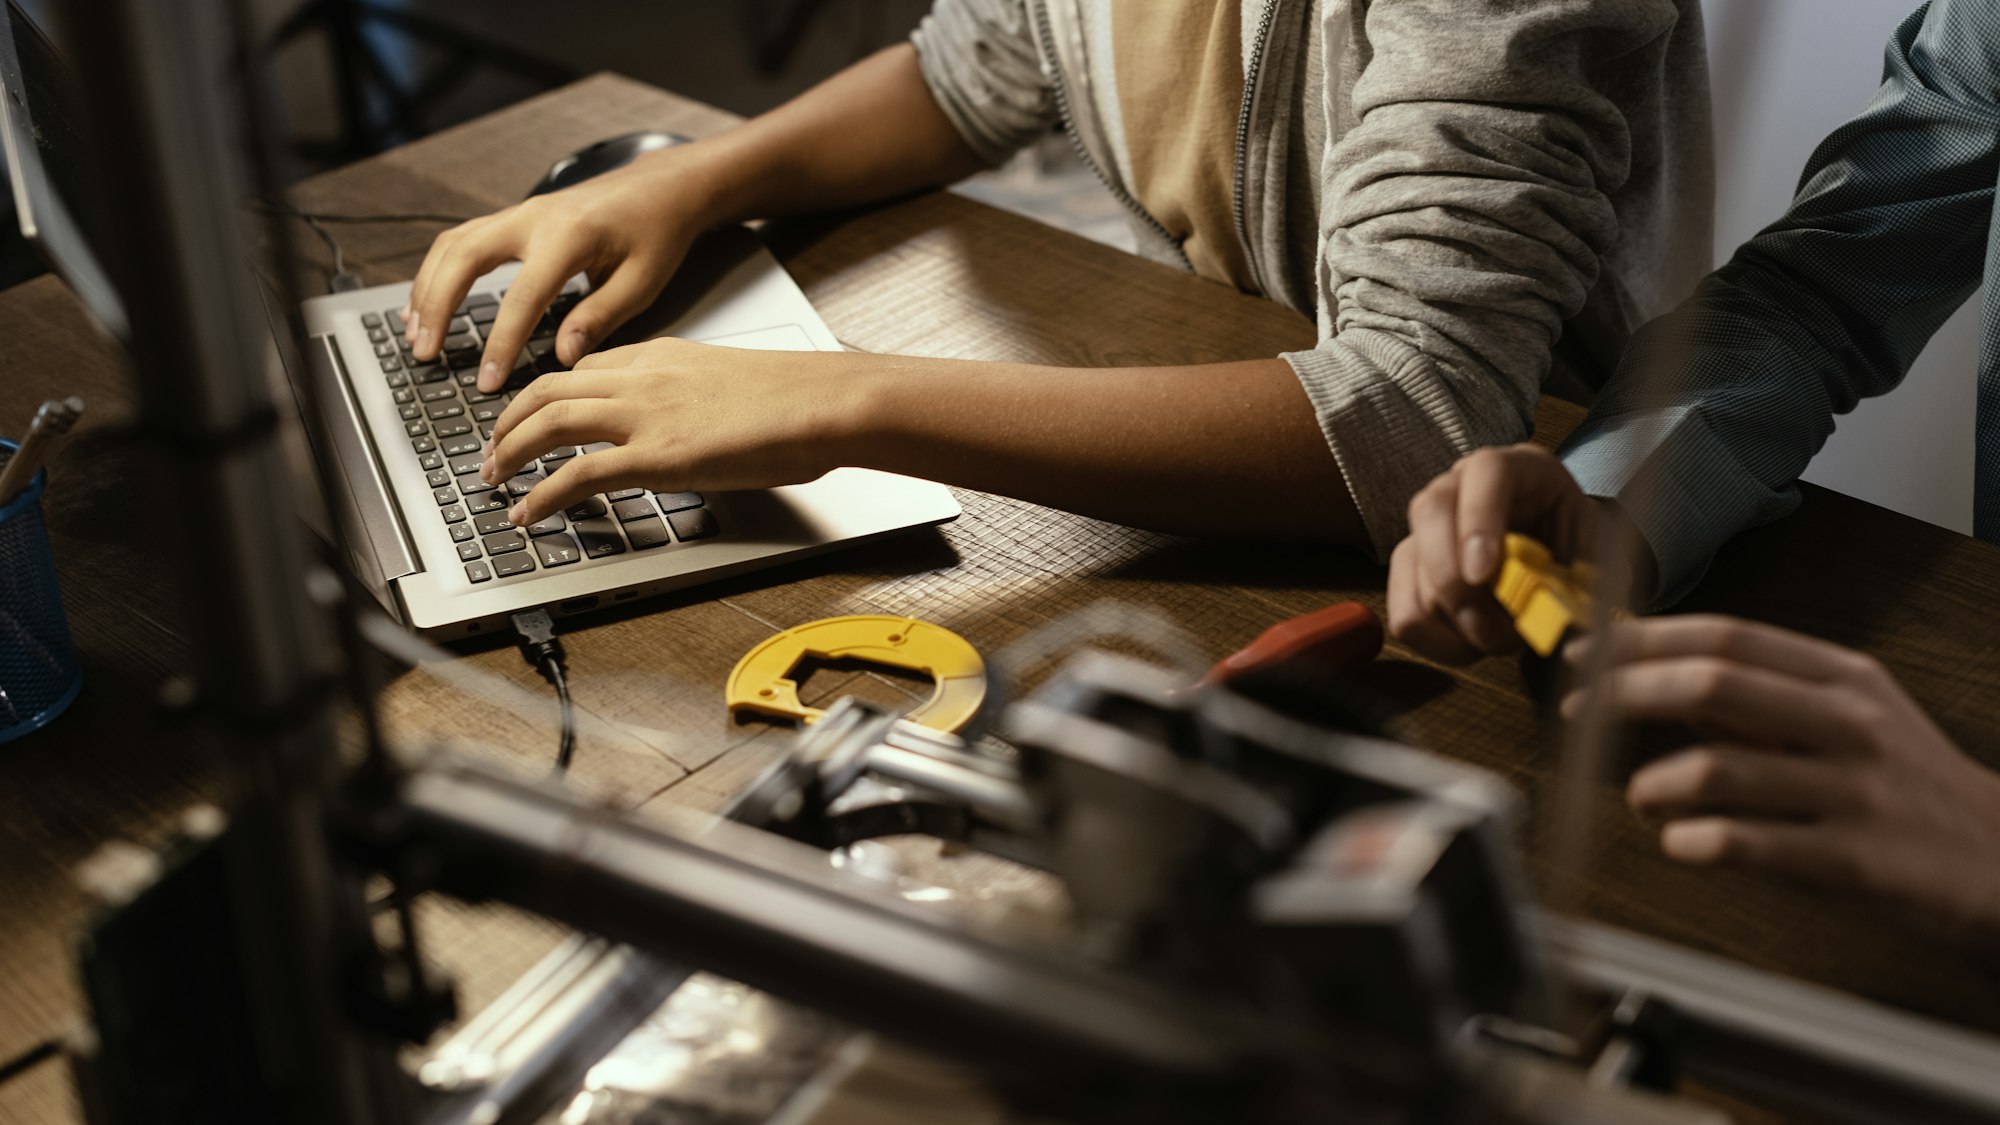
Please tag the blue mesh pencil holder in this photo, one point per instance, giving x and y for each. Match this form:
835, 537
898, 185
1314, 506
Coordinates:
39, 673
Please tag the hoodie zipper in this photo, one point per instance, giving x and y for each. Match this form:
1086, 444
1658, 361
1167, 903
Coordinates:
1243, 140
1046, 33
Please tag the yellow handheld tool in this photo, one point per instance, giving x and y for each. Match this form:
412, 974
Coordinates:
761, 681
1546, 597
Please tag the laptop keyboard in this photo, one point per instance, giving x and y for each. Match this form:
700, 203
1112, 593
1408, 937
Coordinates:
448, 421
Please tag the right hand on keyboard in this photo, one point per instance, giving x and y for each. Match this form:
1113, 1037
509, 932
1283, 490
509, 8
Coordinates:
627, 230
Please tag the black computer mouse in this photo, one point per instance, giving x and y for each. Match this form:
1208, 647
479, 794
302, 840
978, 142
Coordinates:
602, 157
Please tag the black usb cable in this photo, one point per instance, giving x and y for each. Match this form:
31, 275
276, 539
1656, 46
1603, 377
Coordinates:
535, 631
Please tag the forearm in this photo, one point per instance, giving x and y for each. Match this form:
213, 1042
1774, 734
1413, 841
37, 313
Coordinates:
1229, 449
871, 132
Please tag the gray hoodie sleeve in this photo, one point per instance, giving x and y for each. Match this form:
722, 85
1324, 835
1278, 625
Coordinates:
979, 58
1464, 218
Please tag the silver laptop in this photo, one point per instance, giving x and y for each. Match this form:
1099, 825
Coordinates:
431, 539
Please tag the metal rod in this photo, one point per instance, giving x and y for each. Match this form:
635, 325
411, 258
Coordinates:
774, 915
168, 138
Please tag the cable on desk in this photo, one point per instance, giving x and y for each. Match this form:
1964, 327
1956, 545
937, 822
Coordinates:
29, 1059
536, 632
342, 280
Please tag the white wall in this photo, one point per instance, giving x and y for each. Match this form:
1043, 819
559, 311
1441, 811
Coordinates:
1782, 82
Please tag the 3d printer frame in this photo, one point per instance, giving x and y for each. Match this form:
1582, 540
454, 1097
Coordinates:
1214, 849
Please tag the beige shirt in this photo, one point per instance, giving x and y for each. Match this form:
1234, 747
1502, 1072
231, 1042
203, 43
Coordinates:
1181, 88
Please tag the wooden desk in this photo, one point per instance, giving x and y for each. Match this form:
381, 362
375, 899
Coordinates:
934, 275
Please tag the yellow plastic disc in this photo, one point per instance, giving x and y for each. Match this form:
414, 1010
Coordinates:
761, 681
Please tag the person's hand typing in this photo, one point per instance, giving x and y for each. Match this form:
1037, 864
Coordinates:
1817, 766
684, 417
627, 230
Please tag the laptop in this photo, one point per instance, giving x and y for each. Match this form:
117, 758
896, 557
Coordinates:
428, 537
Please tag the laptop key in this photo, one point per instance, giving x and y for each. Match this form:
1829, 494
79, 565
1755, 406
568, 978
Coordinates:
460, 532
523, 484
438, 392
471, 485
453, 428
460, 324
391, 363
417, 428
648, 532
559, 454
477, 572
372, 320
600, 538
542, 353
492, 522
452, 447
625, 494
410, 412
557, 550
505, 542
378, 335
488, 411
486, 430
423, 444
484, 316
429, 373
445, 495
507, 565
469, 463
468, 551
586, 509
437, 478
490, 501
461, 349
404, 396
548, 526
431, 460
439, 410
629, 510
453, 514
395, 319
696, 523
385, 349
481, 300
677, 501
396, 377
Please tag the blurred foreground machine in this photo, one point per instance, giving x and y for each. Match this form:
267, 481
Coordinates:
1272, 920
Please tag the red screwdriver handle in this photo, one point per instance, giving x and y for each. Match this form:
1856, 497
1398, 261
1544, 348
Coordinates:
1337, 638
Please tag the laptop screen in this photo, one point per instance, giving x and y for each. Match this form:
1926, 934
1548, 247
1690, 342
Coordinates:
47, 157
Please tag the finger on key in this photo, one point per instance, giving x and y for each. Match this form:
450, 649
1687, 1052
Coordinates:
568, 422
540, 279
529, 400
453, 268
578, 479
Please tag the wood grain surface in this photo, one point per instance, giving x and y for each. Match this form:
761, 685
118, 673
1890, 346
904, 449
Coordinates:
932, 275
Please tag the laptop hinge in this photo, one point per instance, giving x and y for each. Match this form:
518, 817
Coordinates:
382, 551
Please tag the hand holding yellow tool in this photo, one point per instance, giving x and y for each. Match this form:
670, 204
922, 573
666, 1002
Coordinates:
1545, 597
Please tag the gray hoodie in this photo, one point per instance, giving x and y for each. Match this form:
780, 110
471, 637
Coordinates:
1449, 187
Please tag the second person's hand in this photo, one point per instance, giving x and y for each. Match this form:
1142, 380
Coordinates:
1440, 577
627, 230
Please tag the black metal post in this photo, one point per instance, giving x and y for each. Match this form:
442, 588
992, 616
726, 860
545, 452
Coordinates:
165, 99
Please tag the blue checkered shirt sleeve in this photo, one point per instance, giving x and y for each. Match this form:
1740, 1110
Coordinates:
1717, 407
